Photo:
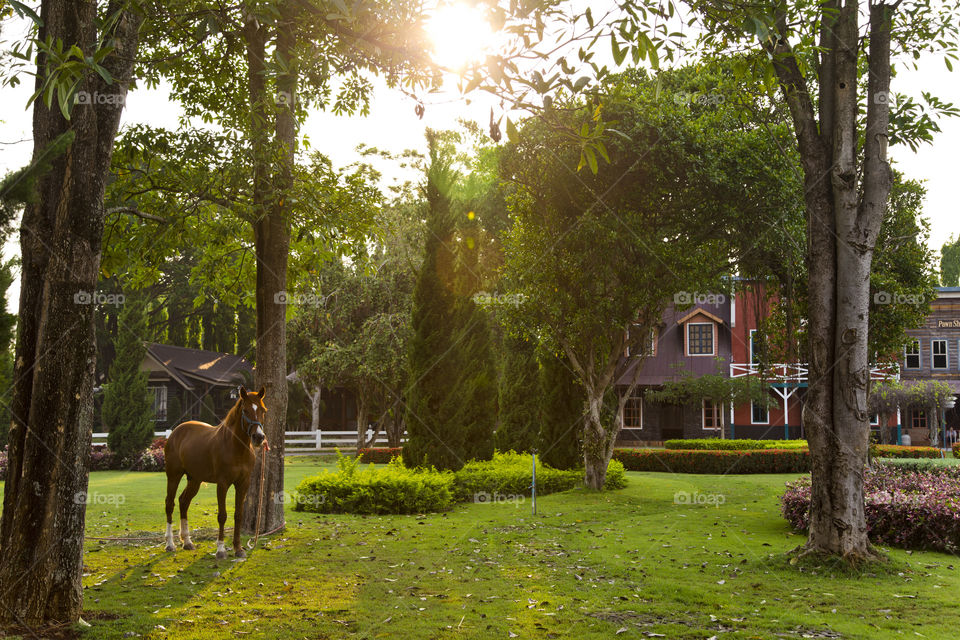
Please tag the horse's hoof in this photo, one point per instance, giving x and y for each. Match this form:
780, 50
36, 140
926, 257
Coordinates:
240, 553
170, 547
221, 555
188, 546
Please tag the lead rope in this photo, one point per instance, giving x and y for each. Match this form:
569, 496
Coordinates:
263, 463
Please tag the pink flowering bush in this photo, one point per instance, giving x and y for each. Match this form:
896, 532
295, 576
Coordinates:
904, 508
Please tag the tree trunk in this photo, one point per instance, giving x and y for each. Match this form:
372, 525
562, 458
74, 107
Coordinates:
42, 528
272, 245
843, 227
362, 421
597, 442
315, 401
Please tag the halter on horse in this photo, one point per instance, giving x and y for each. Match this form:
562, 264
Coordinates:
223, 455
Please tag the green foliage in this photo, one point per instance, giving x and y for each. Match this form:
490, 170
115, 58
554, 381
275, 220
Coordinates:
519, 396
394, 489
899, 451
174, 411
127, 406
950, 263
715, 387
7, 330
716, 444
378, 455
718, 462
451, 405
20, 187
397, 489
207, 413
560, 413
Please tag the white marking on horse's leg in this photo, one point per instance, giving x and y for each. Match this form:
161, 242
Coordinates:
185, 534
221, 550
169, 537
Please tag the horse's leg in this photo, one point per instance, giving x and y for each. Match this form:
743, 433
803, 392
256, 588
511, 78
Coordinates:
193, 486
240, 494
173, 481
221, 518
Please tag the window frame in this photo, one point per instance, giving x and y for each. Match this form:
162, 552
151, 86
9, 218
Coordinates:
918, 419
945, 355
716, 410
635, 400
907, 354
160, 400
713, 339
753, 407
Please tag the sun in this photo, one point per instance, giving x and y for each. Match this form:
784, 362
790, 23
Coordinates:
460, 35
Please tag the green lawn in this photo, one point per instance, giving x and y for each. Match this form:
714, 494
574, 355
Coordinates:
587, 566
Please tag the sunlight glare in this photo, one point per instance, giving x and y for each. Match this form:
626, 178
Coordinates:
460, 34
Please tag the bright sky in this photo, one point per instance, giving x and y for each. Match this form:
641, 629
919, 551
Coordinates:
392, 125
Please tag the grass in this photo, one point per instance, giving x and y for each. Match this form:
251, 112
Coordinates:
588, 566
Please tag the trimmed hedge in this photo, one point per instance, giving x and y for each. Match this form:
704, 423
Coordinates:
102, 459
717, 444
397, 489
899, 451
722, 462
379, 455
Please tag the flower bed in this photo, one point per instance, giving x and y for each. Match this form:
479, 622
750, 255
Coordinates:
717, 444
379, 455
701, 461
911, 509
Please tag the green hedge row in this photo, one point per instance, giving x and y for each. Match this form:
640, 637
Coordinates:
379, 455
722, 462
397, 489
898, 451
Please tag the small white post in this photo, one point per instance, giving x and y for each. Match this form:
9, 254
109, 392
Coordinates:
318, 438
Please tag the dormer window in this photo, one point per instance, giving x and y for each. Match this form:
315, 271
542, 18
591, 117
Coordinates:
700, 339
699, 333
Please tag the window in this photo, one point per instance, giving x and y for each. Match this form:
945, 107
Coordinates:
633, 411
711, 414
912, 360
938, 349
918, 419
700, 339
159, 403
652, 342
754, 347
759, 414
648, 349
875, 419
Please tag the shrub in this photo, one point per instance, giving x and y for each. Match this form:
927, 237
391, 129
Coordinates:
3, 463
706, 461
915, 464
898, 451
379, 455
912, 509
716, 444
956, 449
397, 489
102, 459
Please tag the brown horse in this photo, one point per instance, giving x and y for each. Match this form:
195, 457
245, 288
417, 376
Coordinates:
223, 455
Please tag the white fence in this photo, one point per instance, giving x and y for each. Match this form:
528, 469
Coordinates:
295, 441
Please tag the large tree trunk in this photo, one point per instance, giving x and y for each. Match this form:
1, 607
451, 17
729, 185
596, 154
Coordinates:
272, 245
362, 421
41, 532
843, 226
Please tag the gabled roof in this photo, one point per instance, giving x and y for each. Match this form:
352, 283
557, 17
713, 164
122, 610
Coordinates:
698, 311
187, 365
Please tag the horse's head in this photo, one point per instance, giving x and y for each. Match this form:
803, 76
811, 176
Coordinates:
252, 410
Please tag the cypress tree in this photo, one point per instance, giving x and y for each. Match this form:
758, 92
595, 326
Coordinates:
127, 405
518, 396
434, 438
476, 388
562, 403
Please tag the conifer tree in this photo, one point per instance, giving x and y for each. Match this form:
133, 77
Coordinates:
561, 414
127, 406
519, 396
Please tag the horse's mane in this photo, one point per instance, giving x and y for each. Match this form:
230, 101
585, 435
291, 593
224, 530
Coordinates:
231, 414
